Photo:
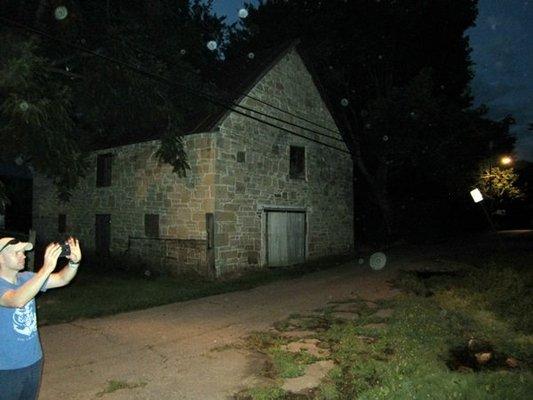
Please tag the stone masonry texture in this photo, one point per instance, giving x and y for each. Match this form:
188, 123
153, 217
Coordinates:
139, 185
237, 171
244, 189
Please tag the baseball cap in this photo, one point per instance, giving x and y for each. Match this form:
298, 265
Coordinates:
16, 244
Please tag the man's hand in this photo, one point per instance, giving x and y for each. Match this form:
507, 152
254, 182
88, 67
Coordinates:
53, 250
64, 276
75, 251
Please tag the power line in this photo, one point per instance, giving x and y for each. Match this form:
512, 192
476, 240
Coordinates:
167, 81
167, 59
210, 34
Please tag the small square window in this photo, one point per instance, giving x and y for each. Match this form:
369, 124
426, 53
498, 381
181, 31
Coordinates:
297, 162
151, 225
241, 156
61, 223
103, 170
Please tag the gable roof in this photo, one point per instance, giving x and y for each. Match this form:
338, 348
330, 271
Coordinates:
243, 86
237, 88
234, 86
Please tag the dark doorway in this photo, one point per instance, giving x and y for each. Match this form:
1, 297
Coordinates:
102, 234
18, 213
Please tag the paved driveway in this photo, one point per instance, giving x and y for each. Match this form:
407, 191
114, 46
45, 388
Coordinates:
168, 350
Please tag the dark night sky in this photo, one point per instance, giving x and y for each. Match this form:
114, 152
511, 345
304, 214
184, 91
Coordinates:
502, 43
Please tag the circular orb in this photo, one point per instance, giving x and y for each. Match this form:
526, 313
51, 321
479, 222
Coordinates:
251, 56
385, 138
19, 160
344, 102
61, 12
183, 52
361, 261
212, 45
378, 261
24, 106
243, 13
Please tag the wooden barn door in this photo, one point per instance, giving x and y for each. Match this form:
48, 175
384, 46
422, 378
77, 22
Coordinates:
285, 238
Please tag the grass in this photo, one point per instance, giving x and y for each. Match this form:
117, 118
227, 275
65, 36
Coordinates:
413, 357
290, 365
282, 363
113, 386
96, 292
262, 393
409, 359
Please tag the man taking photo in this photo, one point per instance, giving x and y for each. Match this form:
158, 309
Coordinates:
20, 347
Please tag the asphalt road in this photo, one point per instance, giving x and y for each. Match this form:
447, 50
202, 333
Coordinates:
170, 351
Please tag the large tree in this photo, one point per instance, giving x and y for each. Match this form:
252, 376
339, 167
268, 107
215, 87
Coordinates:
397, 75
59, 101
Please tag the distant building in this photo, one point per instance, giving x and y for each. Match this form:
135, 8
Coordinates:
255, 195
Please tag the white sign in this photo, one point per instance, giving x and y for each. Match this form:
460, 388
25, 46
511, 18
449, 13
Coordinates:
476, 195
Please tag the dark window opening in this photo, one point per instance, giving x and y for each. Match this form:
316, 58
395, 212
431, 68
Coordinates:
103, 170
61, 223
297, 162
151, 225
241, 156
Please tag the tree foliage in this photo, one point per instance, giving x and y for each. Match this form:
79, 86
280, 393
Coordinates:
397, 76
500, 184
58, 102
35, 115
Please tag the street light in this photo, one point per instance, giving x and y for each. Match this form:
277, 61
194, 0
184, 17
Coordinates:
506, 160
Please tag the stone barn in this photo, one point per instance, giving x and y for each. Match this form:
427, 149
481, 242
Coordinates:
256, 195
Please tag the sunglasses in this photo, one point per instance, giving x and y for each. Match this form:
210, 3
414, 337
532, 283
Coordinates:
11, 242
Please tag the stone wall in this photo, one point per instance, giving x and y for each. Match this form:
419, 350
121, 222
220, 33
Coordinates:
245, 188
140, 185
169, 255
236, 173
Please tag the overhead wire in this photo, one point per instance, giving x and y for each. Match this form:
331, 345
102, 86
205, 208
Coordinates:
159, 78
140, 49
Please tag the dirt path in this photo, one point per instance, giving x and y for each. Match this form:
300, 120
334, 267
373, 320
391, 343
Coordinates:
169, 352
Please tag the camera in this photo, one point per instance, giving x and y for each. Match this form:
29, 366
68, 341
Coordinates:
65, 250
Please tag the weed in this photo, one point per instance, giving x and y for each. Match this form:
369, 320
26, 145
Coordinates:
225, 347
290, 365
262, 341
261, 393
113, 386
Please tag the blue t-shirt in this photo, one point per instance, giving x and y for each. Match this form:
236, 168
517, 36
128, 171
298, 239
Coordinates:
19, 339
